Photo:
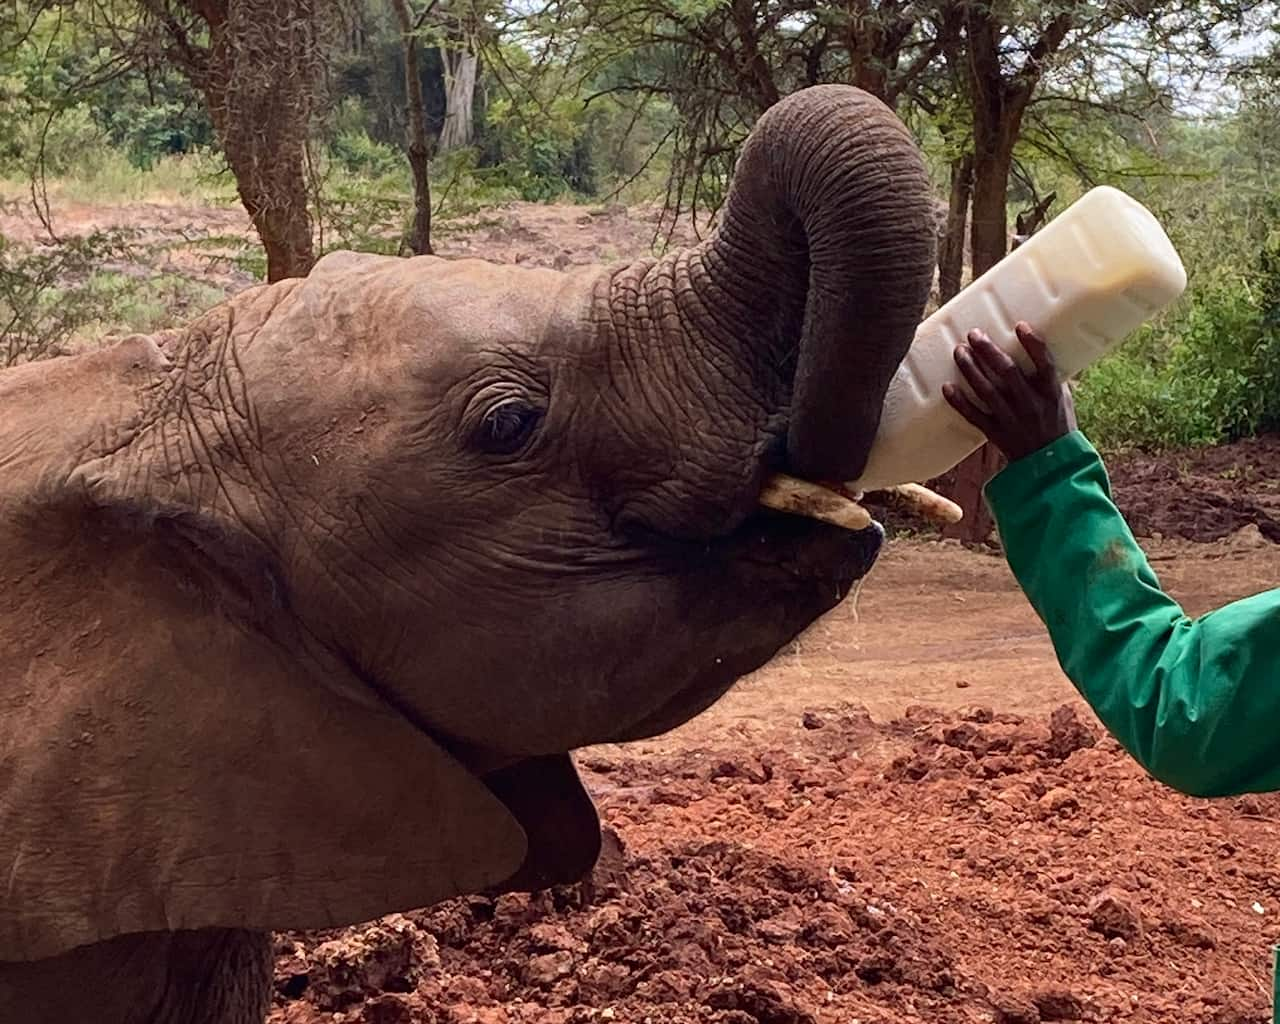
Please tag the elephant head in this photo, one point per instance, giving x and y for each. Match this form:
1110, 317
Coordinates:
303, 606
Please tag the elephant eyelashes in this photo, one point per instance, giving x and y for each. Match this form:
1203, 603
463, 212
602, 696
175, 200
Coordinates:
507, 427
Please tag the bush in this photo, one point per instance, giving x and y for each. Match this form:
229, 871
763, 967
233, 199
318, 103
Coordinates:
539, 152
58, 299
460, 186
359, 154
66, 144
44, 296
1207, 373
152, 116
364, 215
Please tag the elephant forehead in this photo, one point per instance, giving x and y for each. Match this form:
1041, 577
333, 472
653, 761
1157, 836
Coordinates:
427, 303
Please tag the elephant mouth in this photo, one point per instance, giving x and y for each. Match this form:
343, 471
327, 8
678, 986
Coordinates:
800, 550
795, 570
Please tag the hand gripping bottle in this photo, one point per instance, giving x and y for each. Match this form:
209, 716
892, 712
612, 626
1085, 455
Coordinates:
1084, 282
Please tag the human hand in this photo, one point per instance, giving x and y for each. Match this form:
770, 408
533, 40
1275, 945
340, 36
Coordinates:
1026, 411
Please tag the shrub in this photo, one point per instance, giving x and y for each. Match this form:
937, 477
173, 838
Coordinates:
359, 154
151, 116
44, 298
1206, 373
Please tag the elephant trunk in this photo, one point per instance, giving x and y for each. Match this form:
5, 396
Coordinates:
823, 261
771, 345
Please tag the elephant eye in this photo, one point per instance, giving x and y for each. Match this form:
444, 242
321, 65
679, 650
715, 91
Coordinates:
507, 427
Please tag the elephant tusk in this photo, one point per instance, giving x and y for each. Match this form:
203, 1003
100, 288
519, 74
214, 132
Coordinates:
813, 501
929, 504
838, 505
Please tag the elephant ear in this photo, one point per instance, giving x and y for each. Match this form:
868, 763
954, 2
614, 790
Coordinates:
169, 758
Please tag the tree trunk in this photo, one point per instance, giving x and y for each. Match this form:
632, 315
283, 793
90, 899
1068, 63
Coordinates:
951, 252
274, 192
998, 105
418, 146
749, 66
989, 243
261, 82
459, 90
964, 485
990, 229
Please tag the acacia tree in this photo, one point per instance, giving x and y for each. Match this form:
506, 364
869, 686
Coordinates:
418, 144
1018, 55
997, 95
721, 65
260, 66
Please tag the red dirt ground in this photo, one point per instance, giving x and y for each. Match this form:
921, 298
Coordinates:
787, 858
1203, 495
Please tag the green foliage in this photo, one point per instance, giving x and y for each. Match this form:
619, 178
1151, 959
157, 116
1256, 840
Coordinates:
150, 302
55, 299
44, 295
31, 136
351, 146
1207, 373
373, 214
358, 154
64, 97
543, 149
1209, 370
151, 116
461, 185
364, 215
42, 113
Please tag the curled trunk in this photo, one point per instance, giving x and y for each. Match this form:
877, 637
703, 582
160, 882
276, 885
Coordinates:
830, 217
777, 338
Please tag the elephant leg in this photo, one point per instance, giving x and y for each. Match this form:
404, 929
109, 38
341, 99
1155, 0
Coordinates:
211, 976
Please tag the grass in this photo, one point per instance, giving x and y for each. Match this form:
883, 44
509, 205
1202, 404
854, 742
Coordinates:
120, 304
149, 303
104, 175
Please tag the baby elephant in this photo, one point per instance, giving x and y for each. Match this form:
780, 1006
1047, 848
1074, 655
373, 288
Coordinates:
303, 606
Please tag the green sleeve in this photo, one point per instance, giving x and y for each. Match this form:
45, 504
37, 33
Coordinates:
1197, 702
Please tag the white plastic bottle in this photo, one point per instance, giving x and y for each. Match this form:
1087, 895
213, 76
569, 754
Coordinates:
1085, 282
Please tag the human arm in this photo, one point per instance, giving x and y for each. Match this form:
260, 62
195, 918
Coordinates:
1196, 702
